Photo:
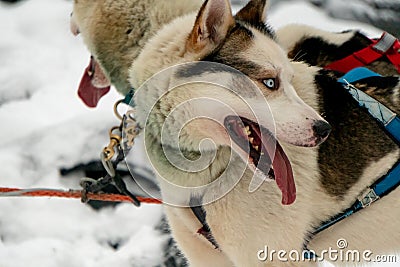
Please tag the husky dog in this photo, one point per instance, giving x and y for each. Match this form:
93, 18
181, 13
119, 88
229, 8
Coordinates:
241, 222
328, 178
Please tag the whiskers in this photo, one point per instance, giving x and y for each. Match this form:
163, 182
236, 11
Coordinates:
299, 55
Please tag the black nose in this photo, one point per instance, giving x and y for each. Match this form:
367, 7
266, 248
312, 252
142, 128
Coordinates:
321, 129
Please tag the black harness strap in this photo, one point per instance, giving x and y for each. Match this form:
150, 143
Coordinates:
200, 213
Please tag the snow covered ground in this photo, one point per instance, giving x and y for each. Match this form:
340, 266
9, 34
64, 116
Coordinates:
46, 127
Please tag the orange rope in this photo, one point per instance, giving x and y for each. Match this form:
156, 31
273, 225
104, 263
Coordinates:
4, 191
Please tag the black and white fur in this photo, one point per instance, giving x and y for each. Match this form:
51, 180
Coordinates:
358, 152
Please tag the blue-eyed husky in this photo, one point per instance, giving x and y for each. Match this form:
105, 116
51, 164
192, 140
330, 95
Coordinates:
328, 178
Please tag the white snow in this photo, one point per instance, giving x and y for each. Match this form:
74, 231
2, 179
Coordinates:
45, 126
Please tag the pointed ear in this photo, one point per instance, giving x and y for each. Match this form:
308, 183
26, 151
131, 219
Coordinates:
213, 22
255, 12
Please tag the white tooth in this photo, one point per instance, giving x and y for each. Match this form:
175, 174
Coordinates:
251, 140
256, 147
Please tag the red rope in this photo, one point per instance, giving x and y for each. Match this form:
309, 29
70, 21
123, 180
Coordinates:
73, 194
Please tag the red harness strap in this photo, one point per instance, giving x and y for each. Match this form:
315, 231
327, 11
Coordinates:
387, 46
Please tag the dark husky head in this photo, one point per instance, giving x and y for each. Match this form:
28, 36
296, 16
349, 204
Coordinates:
301, 40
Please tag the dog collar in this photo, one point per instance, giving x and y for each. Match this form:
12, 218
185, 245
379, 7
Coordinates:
390, 123
128, 100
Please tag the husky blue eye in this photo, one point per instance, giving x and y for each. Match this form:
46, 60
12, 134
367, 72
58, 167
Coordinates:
270, 83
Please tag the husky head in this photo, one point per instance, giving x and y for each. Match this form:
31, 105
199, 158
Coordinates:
104, 30
245, 43
114, 31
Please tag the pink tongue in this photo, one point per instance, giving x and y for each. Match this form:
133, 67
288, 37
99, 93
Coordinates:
88, 92
284, 176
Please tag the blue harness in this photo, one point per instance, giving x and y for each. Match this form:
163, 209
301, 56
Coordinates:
390, 122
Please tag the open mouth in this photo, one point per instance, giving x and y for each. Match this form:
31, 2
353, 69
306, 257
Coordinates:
261, 146
247, 135
94, 84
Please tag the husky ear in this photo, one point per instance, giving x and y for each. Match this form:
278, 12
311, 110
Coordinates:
255, 12
211, 27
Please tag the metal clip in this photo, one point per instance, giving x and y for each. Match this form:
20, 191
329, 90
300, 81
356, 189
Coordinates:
368, 197
386, 42
117, 114
115, 140
86, 183
107, 164
130, 128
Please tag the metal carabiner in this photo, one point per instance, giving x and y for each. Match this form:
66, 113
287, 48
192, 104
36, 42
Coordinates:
119, 116
107, 164
115, 140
